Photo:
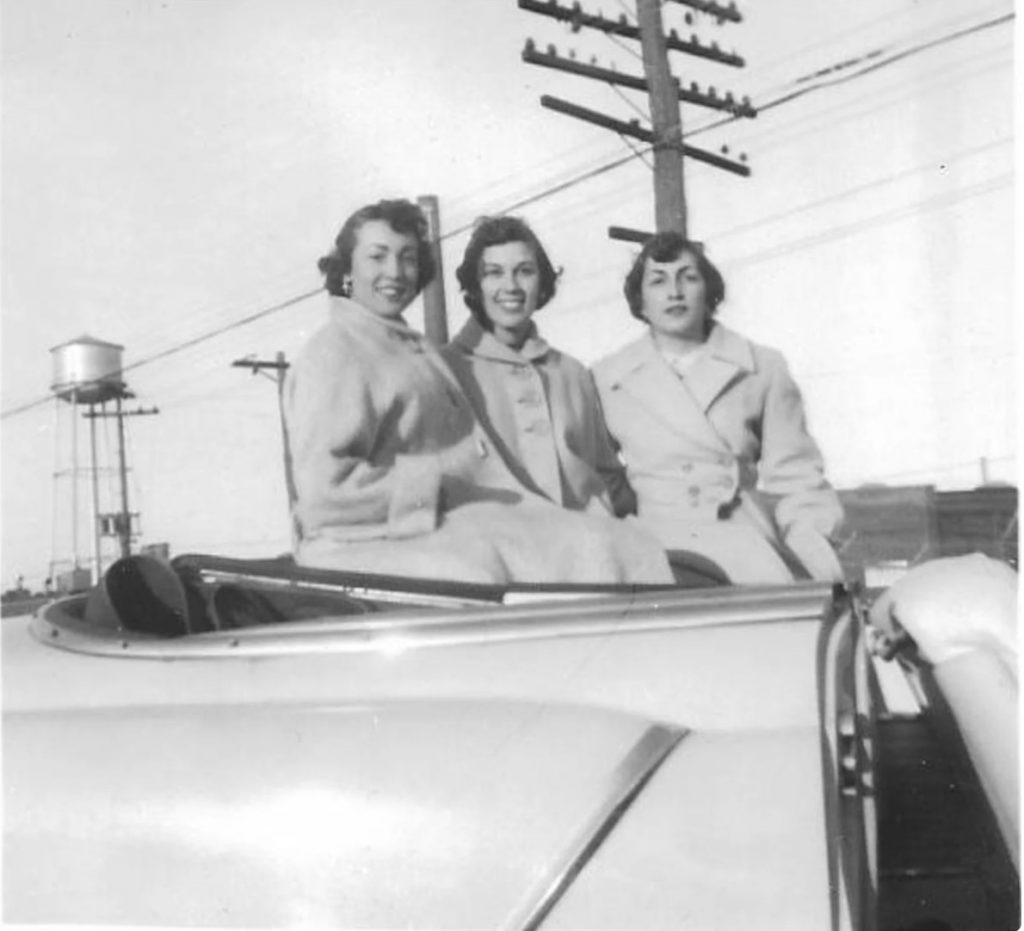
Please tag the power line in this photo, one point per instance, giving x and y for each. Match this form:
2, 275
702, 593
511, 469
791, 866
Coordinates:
878, 219
561, 187
945, 199
845, 34
181, 347
869, 69
859, 189
882, 219
914, 50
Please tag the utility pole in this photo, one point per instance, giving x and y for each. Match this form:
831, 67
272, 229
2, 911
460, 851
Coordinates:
665, 93
669, 199
280, 367
122, 523
435, 317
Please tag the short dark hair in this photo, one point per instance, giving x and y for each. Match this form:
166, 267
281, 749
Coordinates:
402, 216
496, 231
665, 247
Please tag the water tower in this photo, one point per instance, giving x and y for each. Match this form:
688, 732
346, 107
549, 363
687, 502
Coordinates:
86, 373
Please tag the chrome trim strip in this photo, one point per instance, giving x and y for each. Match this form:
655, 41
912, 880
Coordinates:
374, 593
629, 778
416, 629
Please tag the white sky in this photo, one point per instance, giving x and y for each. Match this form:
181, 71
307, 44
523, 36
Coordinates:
169, 168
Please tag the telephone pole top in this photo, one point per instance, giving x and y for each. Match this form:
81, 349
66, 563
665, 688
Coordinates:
665, 93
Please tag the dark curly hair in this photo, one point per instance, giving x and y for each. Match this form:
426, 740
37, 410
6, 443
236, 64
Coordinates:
402, 216
666, 247
497, 231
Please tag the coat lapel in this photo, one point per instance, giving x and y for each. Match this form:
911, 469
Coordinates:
726, 357
644, 374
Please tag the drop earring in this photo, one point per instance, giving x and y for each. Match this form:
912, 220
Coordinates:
346, 285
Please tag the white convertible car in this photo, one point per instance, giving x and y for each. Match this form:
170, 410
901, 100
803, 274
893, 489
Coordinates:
244, 744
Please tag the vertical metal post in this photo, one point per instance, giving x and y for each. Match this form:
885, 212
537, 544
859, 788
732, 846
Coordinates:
289, 478
74, 477
435, 317
666, 119
97, 564
57, 486
124, 532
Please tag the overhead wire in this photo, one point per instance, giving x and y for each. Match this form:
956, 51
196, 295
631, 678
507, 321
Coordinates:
556, 189
844, 231
187, 344
844, 35
890, 60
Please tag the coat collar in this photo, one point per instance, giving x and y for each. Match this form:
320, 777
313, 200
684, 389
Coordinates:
726, 354
682, 405
477, 341
351, 314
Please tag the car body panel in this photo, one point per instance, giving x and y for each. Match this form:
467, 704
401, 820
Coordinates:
421, 770
728, 835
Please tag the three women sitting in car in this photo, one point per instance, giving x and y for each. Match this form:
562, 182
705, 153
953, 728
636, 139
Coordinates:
503, 460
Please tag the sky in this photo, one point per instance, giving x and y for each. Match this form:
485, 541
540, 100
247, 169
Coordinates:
171, 169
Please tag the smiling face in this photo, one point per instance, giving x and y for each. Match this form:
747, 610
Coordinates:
675, 301
509, 289
385, 268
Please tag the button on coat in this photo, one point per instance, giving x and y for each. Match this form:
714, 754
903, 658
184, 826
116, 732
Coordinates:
728, 442
391, 472
541, 410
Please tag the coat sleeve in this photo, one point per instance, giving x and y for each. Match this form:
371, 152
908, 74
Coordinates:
606, 455
791, 468
332, 422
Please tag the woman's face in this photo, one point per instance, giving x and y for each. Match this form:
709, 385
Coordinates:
509, 286
674, 298
385, 268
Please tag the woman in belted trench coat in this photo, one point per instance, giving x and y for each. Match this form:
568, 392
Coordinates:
713, 430
538, 405
389, 470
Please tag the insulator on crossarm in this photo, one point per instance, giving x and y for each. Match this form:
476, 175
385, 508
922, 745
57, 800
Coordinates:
673, 35
725, 150
694, 87
623, 21
711, 93
694, 39
531, 46
714, 47
572, 54
593, 59
688, 19
729, 99
743, 156
552, 50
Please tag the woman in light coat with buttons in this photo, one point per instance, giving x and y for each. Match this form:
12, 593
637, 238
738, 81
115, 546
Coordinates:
537, 404
388, 469
713, 430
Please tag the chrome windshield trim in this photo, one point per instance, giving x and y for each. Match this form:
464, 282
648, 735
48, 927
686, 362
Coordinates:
628, 780
60, 625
